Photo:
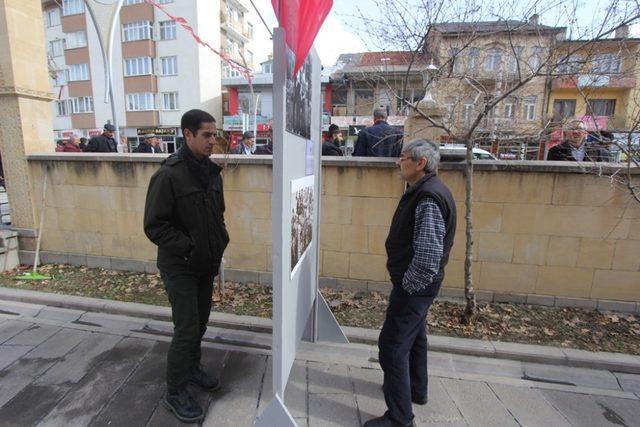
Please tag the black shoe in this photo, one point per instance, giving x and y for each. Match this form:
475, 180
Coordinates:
183, 406
203, 380
419, 400
383, 421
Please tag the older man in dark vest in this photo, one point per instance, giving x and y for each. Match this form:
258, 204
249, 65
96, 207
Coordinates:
418, 246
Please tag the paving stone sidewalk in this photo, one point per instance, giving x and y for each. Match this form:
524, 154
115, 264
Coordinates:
62, 367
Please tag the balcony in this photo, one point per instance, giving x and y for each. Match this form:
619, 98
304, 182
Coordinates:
234, 32
609, 81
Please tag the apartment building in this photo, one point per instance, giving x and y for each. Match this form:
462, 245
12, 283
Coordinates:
159, 71
479, 62
596, 81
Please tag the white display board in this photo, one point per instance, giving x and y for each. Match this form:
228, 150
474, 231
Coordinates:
299, 311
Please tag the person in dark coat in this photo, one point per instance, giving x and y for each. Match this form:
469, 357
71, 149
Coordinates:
246, 144
378, 140
184, 217
150, 144
103, 143
331, 146
83, 143
575, 148
418, 246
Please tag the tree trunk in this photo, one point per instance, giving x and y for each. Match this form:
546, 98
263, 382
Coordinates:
470, 310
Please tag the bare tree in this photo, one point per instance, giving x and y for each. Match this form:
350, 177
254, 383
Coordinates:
491, 67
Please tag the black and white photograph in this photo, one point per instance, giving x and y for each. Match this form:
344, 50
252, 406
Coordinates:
301, 218
298, 117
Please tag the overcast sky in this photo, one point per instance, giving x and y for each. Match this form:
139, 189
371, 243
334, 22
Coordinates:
338, 34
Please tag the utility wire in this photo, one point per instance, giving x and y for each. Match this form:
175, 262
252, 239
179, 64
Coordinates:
261, 18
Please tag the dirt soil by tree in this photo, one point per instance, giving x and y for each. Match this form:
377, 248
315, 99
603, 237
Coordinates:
564, 327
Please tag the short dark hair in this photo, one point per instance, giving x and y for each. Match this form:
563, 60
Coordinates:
193, 120
333, 129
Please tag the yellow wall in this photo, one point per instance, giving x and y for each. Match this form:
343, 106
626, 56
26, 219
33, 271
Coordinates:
536, 232
621, 119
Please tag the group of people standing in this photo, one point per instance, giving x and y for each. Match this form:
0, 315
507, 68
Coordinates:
106, 143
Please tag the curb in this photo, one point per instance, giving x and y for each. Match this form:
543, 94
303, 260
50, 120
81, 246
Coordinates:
616, 362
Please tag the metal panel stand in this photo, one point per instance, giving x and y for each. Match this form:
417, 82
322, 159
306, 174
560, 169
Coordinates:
275, 415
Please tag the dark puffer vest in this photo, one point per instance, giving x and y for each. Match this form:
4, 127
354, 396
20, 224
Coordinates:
399, 243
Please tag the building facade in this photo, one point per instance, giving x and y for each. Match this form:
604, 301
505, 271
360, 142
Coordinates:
159, 71
596, 81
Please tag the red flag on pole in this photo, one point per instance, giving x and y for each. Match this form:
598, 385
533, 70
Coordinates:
301, 20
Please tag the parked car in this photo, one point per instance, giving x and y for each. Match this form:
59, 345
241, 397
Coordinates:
453, 152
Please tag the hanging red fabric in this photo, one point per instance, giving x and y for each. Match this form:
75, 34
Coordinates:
301, 20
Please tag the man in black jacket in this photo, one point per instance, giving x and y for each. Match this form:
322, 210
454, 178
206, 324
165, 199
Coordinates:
418, 246
575, 148
103, 143
184, 218
378, 140
150, 144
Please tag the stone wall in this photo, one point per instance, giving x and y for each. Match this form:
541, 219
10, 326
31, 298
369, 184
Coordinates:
542, 230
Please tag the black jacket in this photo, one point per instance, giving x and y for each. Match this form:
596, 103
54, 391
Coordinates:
329, 148
101, 144
592, 153
185, 219
145, 147
378, 140
399, 244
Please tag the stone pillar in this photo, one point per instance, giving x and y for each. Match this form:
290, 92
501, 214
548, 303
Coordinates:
25, 104
417, 126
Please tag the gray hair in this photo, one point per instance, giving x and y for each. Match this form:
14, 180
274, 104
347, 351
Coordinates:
380, 113
423, 149
571, 124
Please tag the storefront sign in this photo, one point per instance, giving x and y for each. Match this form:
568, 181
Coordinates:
157, 131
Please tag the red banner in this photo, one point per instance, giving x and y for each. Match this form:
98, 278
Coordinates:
185, 24
301, 20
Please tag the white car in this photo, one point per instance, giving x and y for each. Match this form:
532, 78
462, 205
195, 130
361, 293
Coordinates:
459, 152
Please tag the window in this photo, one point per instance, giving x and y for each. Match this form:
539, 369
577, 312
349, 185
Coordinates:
493, 60
72, 7
244, 102
473, 58
52, 17
450, 108
529, 109
454, 60
169, 65
606, 63
60, 78
56, 47
76, 39
266, 68
249, 58
602, 107
228, 71
165, 1
515, 55
570, 64
167, 30
509, 109
84, 104
170, 101
140, 30
249, 30
62, 108
364, 102
563, 108
138, 66
78, 72
130, 2
535, 60
467, 112
142, 101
